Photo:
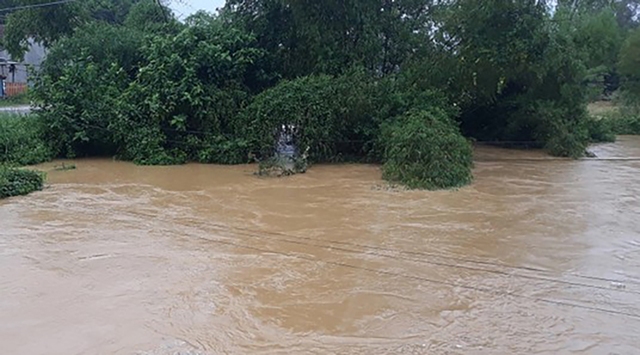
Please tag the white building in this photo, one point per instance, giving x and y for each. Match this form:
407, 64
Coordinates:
33, 58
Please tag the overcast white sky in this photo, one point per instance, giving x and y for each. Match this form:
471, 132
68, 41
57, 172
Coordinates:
184, 8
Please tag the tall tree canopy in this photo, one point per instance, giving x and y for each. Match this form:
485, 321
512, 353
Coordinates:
44, 21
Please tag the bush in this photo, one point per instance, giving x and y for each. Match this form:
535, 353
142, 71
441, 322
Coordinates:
80, 85
563, 128
623, 121
565, 143
425, 150
311, 104
21, 140
626, 121
184, 100
629, 124
335, 117
600, 130
15, 182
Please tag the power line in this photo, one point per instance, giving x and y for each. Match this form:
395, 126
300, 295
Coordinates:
46, 4
415, 277
425, 254
254, 234
443, 264
429, 280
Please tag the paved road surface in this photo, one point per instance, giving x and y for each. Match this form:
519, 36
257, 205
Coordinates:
16, 109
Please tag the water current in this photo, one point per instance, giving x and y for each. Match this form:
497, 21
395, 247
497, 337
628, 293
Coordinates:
537, 256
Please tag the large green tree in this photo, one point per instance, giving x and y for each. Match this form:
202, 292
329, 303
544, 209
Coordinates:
329, 37
45, 22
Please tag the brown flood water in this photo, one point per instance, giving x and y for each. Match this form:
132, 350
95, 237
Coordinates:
538, 256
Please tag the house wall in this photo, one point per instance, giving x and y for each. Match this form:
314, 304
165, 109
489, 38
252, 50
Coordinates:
33, 57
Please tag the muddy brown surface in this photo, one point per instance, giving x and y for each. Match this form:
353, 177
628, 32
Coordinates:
537, 256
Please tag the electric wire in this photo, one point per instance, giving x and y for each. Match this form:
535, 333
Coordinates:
252, 234
432, 255
422, 261
429, 280
33, 6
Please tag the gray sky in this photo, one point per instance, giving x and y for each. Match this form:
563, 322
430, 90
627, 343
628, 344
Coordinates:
184, 8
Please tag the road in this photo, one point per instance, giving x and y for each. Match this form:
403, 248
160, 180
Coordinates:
24, 109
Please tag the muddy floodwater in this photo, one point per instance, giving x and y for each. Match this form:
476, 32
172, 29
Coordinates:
537, 256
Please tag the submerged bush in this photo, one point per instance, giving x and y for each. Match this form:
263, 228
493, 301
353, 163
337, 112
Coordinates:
564, 129
15, 182
424, 149
311, 104
566, 144
333, 117
21, 140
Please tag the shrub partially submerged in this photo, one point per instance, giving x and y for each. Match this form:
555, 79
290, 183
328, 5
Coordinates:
424, 149
332, 116
279, 166
15, 182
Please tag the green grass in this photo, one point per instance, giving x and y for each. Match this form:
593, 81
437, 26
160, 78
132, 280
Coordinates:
19, 100
608, 120
600, 108
621, 122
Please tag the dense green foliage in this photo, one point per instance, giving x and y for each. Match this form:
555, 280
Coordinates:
601, 130
184, 99
331, 116
625, 121
424, 149
15, 182
626, 124
47, 24
80, 87
359, 79
22, 140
